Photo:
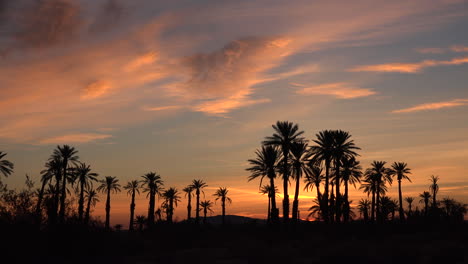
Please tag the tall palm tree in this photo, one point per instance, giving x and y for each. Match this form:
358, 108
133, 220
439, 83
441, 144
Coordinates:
198, 186
110, 184
299, 159
84, 177
313, 178
188, 193
132, 187
285, 134
171, 197
425, 197
434, 187
363, 208
222, 193
343, 147
92, 199
351, 172
400, 170
323, 152
6, 166
152, 183
376, 178
409, 200
266, 165
206, 205
67, 154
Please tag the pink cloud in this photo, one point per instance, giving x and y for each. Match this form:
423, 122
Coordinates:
75, 138
433, 106
339, 90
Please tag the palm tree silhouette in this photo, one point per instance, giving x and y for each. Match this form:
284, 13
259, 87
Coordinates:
266, 165
351, 172
313, 178
323, 152
343, 147
400, 170
84, 177
46, 177
376, 178
54, 167
140, 221
92, 199
299, 159
285, 134
206, 205
132, 187
152, 183
434, 187
425, 197
6, 166
66, 154
171, 197
363, 208
198, 186
110, 184
188, 193
315, 210
409, 200
221, 193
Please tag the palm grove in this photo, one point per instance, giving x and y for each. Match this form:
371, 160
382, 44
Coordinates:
70, 189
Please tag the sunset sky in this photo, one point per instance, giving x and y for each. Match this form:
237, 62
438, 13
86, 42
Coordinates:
189, 89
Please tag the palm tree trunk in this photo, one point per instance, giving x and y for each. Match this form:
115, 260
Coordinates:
377, 205
285, 186
223, 206
189, 207
171, 209
197, 212
347, 209
373, 207
64, 191
325, 193
81, 202
108, 210
88, 208
319, 195
296, 195
132, 211
338, 194
269, 211
39, 201
273, 211
400, 197
204, 215
151, 208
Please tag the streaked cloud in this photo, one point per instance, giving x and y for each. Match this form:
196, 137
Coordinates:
95, 90
460, 48
408, 67
162, 108
431, 50
433, 106
75, 138
339, 90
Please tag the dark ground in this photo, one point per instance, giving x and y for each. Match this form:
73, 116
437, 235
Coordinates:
246, 243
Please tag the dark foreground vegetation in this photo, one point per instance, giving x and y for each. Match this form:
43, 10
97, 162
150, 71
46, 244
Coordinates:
247, 243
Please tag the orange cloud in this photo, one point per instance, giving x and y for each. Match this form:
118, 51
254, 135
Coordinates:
339, 90
95, 90
431, 50
433, 106
459, 48
75, 138
162, 108
408, 67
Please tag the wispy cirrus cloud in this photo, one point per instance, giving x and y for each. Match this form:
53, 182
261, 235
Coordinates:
454, 48
74, 138
433, 106
409, 67
341, 90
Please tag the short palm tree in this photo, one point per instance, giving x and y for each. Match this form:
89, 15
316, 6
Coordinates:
110, 184
315, 210
377, 175
6, 166
266, 165
425, 197
92, 199
132, 187
313, 178
351, 173
322, 152
299, 159
266, 189
409, 200
198, 186
221, 194
140, 221
434, 187
400, 170
85, 177
206, 206
152, 183
363, 207
66, 154
285, 134
46, 176
171, 198
188, 193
